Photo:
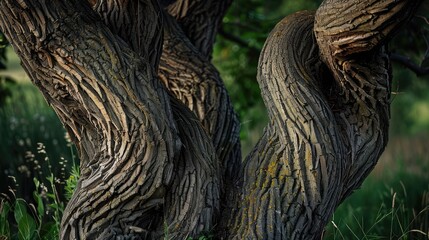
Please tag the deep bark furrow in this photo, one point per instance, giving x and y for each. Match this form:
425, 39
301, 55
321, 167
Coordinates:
197, 84
135, 22
192, 202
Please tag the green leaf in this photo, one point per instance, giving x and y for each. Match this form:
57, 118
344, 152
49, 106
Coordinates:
50, 195
27, 228
26, 224
39, 201
72, 181
4, 223
36, 183
49, 230
50, 178
20, 209
40, 205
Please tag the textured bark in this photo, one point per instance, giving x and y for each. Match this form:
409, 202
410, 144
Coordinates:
89, 78
156, 132
135, 22
192, 202
129, 156
196, 83
184, 71
327, 128
200, 20
351, 45
292, 178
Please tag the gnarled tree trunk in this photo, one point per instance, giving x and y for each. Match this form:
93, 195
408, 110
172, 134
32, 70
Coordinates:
157, 136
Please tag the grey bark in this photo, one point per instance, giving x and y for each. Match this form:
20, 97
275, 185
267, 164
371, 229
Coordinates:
327, 128
156, 132
200, 21
191, 79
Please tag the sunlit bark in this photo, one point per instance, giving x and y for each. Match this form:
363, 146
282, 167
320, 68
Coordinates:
156, 133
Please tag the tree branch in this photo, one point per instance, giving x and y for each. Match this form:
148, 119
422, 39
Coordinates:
350, 36
360, 31
138, 22
238, 40
200, 20
408, 63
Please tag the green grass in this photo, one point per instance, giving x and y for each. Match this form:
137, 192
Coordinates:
396, 207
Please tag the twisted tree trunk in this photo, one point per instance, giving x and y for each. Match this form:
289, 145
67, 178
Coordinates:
157, 136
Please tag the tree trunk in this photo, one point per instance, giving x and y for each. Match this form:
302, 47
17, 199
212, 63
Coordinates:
157, 136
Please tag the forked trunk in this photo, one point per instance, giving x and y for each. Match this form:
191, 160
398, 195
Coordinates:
157, 136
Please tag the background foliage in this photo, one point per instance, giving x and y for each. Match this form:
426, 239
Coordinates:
5, 81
